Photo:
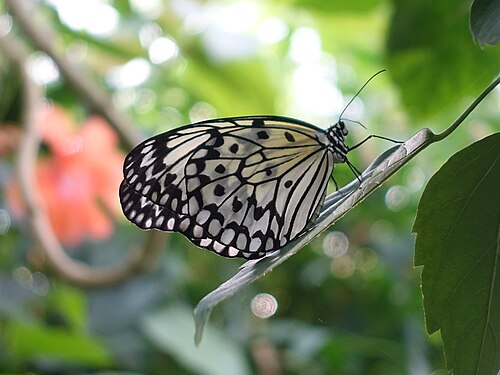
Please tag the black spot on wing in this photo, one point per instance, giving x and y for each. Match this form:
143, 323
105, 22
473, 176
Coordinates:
220, 168
258, 122
289, 137
219, 190
263, 134
234, 148
237, 204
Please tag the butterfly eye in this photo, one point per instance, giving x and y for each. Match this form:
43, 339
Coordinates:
343, 128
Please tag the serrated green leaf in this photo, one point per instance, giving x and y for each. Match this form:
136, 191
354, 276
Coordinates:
458, 231
485, 21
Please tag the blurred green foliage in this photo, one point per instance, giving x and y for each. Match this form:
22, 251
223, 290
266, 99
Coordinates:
360, 313
423, 34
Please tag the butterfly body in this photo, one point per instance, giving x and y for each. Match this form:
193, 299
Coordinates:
241, 186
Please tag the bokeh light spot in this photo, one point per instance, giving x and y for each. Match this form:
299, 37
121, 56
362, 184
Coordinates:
175, 97
314, 90
335, 244
415, 179
40, 284
365, 259
343, 267
148, 33
202, 111
397, 197
264, 305
272, 30
145, 100
42, 69
382, 231
162, 49
5, 221
171, 116
23, 276
5, 24
305, 45
234, 18
93, 16
131, 74
148, 8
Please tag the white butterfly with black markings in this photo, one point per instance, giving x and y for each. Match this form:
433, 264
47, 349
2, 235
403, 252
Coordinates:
239, 186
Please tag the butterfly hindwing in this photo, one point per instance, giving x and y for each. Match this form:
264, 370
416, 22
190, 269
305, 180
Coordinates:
241, 187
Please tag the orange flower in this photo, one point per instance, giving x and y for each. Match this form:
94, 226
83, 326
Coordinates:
79, 180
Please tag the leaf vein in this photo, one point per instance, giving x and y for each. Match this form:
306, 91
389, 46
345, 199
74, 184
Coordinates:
488, 311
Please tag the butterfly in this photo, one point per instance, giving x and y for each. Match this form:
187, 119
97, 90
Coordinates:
238, 186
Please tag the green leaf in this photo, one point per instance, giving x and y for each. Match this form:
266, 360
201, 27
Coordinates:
172, 331
457, 228
70, 302
432, 58
36, 341
484, 21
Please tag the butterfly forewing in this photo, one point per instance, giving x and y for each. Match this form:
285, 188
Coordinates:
241, 187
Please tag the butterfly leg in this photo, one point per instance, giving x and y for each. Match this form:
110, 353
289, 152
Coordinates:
374, 136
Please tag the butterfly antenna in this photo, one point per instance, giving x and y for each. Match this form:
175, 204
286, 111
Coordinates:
355, 122
361, 89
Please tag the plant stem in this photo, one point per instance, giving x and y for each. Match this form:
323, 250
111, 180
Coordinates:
463, 116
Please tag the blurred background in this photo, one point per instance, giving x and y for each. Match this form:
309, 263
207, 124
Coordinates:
84, 291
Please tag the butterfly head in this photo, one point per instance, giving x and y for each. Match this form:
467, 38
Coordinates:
336, 135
